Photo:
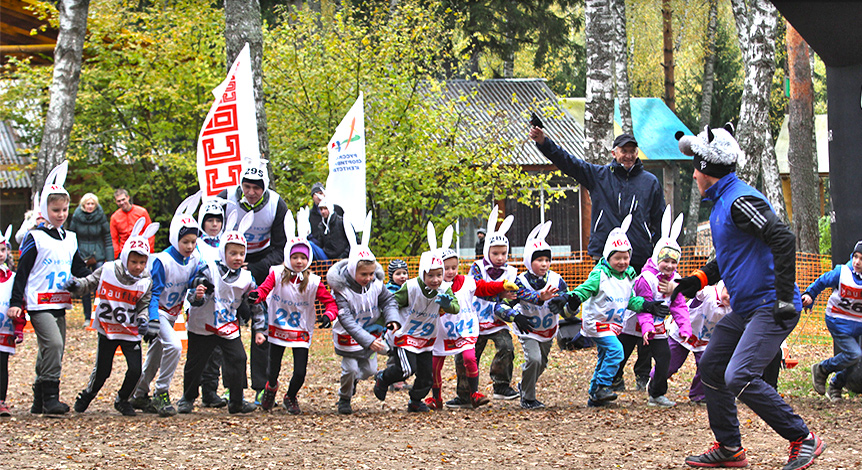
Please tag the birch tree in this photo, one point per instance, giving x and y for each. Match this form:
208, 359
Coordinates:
668, 64
599, 113
801, 154
621, 64
756, 23
64, 87
243, 25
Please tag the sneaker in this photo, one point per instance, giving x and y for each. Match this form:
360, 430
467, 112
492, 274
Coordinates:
4, 410
458, 402
379, 386
258, 397
244, 407
162, 403
595, 404
124, 407
83, 401
417, 407
803, 452
531, 404
344, 407
507, 393
603, 394
662, 402
641, 384
477, 400
818, 378
718, 456
834, 393
268, 399
184, 406
618, 386
212, 400
434, 403
143, 403
291, 404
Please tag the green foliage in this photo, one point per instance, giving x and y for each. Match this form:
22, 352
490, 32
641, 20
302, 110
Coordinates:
824, 225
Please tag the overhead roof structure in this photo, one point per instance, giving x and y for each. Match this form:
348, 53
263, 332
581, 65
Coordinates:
22, 33
654, 126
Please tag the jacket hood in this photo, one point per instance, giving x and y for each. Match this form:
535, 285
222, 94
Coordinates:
124, 276
339, 279
652, 267
637, 168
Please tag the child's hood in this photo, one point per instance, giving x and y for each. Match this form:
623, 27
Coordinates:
124, 276
339, 279
653, 268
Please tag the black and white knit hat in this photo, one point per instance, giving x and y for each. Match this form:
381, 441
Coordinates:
715, 151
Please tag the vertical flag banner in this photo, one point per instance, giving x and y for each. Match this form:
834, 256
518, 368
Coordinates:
345, 185
229, 133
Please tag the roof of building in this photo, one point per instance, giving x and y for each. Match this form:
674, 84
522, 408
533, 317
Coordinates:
24, 33
504, 105
12, 162
654, 128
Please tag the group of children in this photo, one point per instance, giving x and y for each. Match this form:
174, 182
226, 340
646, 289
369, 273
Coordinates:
417, 322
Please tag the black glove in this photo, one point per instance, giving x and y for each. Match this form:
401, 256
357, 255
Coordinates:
557, 304
523, 323
142, 326
656, 307
70, 285
783, 311
209, 285
324, 321
253, 297
535, 121
687, 286
574, 302
152, 331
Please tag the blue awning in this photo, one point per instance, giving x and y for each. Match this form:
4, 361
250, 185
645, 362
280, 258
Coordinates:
654, 128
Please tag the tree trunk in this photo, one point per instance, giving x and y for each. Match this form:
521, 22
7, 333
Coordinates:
621, 60
599, 114
667, 36
804, 181
693, 217
243, 25
64, 88
756, 22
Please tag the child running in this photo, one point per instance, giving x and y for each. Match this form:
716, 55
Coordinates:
121, 317
362, 299
398, 275
8, 325
290, 291
606, 294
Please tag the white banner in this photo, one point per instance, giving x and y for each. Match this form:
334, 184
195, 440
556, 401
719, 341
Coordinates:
229, 134
345, 185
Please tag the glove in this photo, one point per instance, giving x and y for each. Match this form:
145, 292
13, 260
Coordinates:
509, 285
656, 307
324, 321
574, 302
152, 331
209, 285
444, 300
523, 323
143, 327
253, 297
687, 286
783, 311
557, 304
70, 285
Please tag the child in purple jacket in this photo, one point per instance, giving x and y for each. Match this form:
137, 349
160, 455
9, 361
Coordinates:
648, 329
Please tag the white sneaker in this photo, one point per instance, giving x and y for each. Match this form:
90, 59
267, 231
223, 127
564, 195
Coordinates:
834, 393
661, 401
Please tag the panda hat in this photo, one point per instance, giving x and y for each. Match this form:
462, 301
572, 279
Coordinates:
715, 150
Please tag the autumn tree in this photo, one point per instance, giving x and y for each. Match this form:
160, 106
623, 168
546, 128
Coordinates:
599, 115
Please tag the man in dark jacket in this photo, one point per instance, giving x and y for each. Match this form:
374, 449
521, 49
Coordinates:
335, 243
318, 193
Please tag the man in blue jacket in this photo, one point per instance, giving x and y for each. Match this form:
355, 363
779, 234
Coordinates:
755, 256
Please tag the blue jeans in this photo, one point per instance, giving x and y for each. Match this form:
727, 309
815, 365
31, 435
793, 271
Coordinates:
845, 337
732, 367
610, 355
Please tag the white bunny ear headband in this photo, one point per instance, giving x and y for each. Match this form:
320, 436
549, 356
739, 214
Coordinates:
236, 236
536, 243
617, 239
184, 220
495, 236
139, 241
667, 246
295, 238
255, 170
6, 236
53, 185
431, 259
360, 251
214, 207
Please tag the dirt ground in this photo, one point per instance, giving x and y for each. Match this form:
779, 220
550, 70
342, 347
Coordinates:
503, 436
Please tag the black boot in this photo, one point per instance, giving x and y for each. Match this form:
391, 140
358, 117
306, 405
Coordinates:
51, 403
36, 409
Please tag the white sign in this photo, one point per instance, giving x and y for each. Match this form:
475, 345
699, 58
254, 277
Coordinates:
345, 185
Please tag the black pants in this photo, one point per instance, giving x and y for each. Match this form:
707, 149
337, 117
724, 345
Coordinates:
659, 351
200, 349
4, 375
105, 362
211, 373
300, 366
410, 363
